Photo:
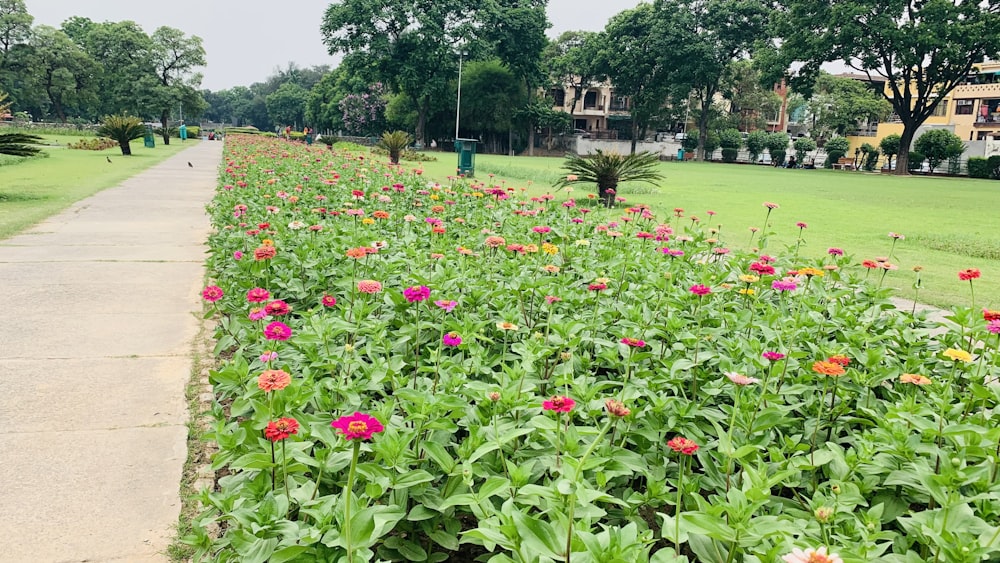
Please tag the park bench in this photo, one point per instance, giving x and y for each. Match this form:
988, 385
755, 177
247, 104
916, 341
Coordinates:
844, 163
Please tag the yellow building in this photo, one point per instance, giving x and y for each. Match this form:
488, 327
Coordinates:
595, 111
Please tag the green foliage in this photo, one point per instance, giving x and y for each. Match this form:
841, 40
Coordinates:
870, 159
993, 165
756, 144
406, 154
837, 144
916, 160
287, 105
730, 155
572, 59
122, 129
802, 145
938, 145
93, 144
712, 143
395, 142
608, 169
839, 104
19, 144
730, 139
690, 143
978, 167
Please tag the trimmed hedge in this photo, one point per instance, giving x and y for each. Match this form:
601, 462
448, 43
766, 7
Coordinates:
916, 160
978, 167
993, 166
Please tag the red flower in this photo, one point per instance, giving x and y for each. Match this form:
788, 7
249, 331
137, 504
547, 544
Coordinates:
277, 308
358, 426
634, 342
559, 404
839, 359
328, 300
762, 269
969, 274
682, 445
264, 253
212, 293
991, 315
283, 428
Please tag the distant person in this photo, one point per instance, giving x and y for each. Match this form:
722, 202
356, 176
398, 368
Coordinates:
791, 162
288, 133
308, 132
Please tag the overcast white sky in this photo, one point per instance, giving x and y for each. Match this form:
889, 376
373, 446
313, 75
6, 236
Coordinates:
246, 39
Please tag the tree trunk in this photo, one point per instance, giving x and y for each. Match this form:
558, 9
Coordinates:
164, 119
903, 158
706, 104
126, 148
635, 133
531, 139
422, 120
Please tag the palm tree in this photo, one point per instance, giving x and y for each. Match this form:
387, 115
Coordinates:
395, 142
122, 128
608, 169
19, 144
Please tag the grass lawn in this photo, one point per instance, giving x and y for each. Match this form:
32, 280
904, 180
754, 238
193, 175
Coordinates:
950, 224
34, 189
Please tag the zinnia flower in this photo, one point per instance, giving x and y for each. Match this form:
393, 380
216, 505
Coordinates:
559, 404
811, 556
268, 356
991, 315
504, 325
238, 255
772, 356
281, 429
328, 300
273, 380
358, 426
277, 331
451, 339
839, 359
417, 293
770, 205
369, 286
682, 445
700, 290
762, 268
896, 236
277, 308
969, 274
616, 408
914, 378
633, 342
212, 293
258, 295
993, 326
828, 368
870, 264
958, 355
446, 305
740, 379
835, 251
801, 225
597, 286
785, 284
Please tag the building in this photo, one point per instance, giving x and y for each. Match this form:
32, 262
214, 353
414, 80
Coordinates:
599, 113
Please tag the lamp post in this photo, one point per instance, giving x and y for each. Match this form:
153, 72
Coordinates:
458, 104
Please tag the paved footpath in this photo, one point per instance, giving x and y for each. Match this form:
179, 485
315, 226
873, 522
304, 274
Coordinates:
95, 352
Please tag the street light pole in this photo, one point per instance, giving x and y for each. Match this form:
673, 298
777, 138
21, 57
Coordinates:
458, 104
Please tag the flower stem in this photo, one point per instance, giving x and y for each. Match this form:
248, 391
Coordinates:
819, 421
680, 498
732, 423
284, 476
576, 480
348, 490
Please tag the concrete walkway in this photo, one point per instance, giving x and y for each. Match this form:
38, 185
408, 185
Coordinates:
100, 314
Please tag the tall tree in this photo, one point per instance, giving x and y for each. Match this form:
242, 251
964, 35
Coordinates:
923, 48
175, 57
125, 54
15, 26
719, 33
838, 104
412, 43
751, 102
288, 105
63, 71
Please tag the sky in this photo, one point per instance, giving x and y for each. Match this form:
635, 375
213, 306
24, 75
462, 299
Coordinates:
246, 40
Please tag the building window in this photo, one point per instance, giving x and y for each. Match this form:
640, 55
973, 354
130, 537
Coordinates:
983, 134
941, 109
964, 107
558, 96
590, 100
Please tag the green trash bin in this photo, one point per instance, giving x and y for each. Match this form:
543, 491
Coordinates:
149, 139
466, 149
680, 154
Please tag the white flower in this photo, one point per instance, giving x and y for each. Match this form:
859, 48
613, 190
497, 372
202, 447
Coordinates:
296, 225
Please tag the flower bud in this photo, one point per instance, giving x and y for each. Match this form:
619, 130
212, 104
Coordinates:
566, 356
348, 347
835, 489
823, 514
494, 396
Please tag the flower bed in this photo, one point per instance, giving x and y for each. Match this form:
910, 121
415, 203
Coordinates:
418, 372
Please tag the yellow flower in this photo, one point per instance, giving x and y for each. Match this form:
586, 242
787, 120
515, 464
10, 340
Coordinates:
550, 248
602, 280
435, 197
267, 242
506, 326
958, 355
748, 291
477, 194
746, 278
367, 221
582, 242
811, 272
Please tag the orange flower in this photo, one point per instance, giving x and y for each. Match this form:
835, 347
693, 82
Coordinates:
273, 380
915, 379
357, 253
828, 368
437, 209
264, 253
381, 214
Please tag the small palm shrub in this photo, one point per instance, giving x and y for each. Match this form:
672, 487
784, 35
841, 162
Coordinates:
608, 169
122, 128
19, 144
395, 142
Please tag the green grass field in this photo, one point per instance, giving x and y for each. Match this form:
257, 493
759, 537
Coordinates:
950, 223
36, 188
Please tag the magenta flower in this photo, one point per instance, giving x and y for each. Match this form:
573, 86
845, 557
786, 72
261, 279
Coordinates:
835, 251
785, 284
328, 300
358, 426
451, 339
772, 356
633, 342
700, 289
801, 225
559, 404
993, 327
446, 305
268, 356
277, 331
238, 255
417, 293
212, 293
277, 308
257, 314
258, 295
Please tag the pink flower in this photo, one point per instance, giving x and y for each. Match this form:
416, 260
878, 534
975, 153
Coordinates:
559, 404
811, 556
268, 356
740, 379
541, 229
369, 286
785, 284
772, 356
446, 305
550, 299
417, 293
212, 293
451, 339
258, 295
328, 300
993, 327
682, 445
358, 426
238, 255
700, 289
766, 259
633, 342
277, 308
801, 225
277, 331
896, 236
257, 314
770, 205
835, 251
597, 286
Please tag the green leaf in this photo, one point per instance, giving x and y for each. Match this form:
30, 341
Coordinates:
539, 536
289, 553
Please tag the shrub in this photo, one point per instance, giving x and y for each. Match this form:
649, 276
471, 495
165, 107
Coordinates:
890, 148
123, 129
711, 144
395, 142
756, 144
93, 144
938, 145
409, 155
916, 161
777, 157
690, 143
730, 139
802, 145
870, 160
607, 169
978, 167
194, 131
993, 166
777, 145
730, 155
